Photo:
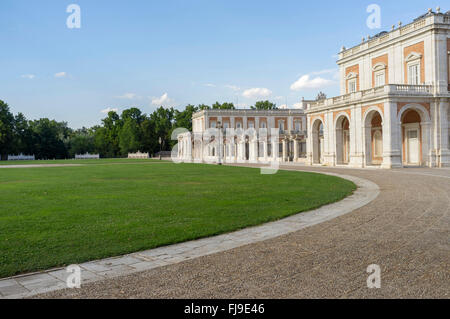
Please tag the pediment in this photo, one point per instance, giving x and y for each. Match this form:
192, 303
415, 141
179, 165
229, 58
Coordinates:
413, 56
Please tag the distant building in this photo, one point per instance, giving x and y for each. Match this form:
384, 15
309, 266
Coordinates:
245, 136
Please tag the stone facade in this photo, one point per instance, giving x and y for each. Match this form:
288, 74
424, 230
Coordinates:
394, 107
393, 110
245, 136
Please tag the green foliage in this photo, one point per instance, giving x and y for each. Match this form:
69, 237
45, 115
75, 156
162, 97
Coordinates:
6, 129
223, 106
116, 136
130, 137
264, 105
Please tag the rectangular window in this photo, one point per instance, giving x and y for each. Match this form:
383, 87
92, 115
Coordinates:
297, 126
380, 79
251, 125
213, 124
351, 86
413, 74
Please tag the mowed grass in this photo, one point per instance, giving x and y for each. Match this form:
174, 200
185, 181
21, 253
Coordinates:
63, 215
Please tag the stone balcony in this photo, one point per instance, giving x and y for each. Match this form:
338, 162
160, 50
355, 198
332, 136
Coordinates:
373, 93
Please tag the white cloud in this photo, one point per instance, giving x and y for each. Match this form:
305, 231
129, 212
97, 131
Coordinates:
256, 93
107, 110
60, 75
163, 100
298, 106
210, 85
28, 76
314, 80
308, 82
233, 87
283, 107
128, 96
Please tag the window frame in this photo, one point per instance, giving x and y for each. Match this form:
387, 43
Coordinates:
416, 66
414, 59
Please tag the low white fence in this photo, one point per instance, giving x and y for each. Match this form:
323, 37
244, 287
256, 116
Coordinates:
87, 156
21, 157
139, 155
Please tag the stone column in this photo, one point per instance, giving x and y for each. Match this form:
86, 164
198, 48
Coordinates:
426, 140
254, 150
274, 149
296, 156
201, 150
265, 151
284, 150
392, 137
444, 149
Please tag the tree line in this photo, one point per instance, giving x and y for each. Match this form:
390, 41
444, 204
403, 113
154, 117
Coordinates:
116, 136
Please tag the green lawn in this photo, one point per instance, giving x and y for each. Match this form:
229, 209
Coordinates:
62, 215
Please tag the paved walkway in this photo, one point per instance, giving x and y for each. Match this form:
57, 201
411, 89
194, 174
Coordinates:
32, 284
405, 230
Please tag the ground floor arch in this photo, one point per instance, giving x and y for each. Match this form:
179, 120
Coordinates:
373, 138
317, 142
342, 140
412, 138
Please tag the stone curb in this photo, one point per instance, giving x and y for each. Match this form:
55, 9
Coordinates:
55, 279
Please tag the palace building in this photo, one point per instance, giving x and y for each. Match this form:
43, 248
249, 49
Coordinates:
393, 110
394, 107
251, 136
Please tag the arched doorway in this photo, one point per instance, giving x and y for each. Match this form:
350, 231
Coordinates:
342, 140
373, 126
411, 138
317, 141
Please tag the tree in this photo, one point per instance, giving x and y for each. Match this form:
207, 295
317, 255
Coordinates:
149, 140
6, 129
223, 106
202, 107
162, 123
81, 141
22, 136
264, 105
110, 136
48, 138
133, 114
129, 137
184, 119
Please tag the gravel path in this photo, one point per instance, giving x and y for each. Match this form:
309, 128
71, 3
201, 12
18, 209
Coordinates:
406, 231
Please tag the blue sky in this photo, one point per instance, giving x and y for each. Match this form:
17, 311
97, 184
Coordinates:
144, 53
